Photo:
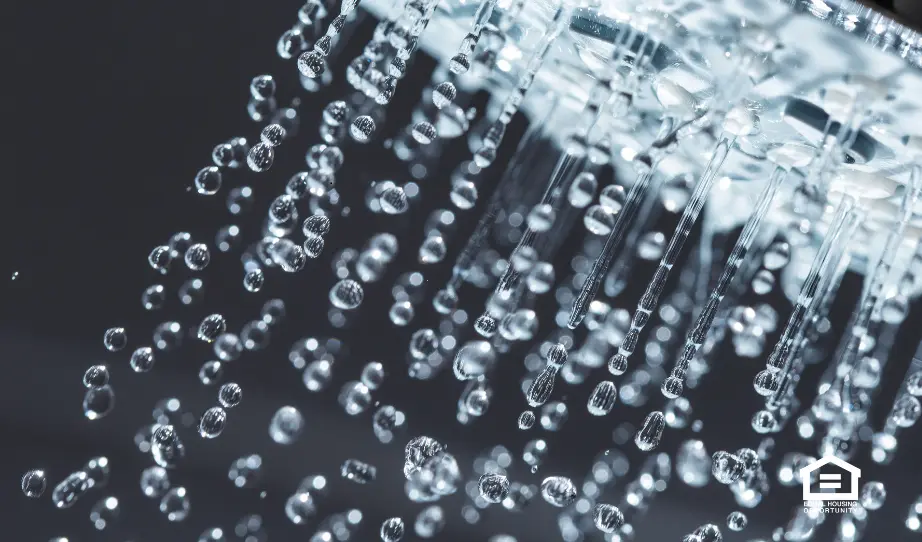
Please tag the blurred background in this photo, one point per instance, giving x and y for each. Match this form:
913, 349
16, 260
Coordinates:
114, 107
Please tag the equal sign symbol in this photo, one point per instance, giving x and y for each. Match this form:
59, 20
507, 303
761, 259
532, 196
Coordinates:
830, 485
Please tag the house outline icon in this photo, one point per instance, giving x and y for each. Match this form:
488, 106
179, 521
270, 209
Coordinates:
828, 481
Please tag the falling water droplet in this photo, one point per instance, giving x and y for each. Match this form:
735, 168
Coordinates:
362, 128
443, 94
155, 482
558, 491
737, 521
493, 487
526, 420
602, 398
213, 421
98, 402
286, 425
649, 435
115, 339
34, 483
392, 530
346, 294
607, 518
96, 377
175, 504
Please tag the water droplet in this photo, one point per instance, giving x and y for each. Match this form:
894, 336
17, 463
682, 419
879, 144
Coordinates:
104, 513
286, 425
211, 372
160, 258
273, 312
227, 347
737, 521
602, 398
401, 313
66, 493
175, 504
208, 181
240, 200
387, 422
253, 280
607, 518
554, 415
895, 309
115, 339
708, 533
558, 491
429, 522
273, 135
300, 507
192, 291
423, 343
419, 450
526, 420
213, 421
212, 534
155, 482
166, 447
763, 282
34, 483
394, 201
262, 87
541, 217
678, 413
347, 294
424, 132
335, 113
651, 246
98, 402
311, 64
373, 375
288, 255
358, 471
153, 297
726, 467
463, 194
873, 495
317, 375
485, 325
245, 471
260, 157
96, 376
230, 395
212, 327
459, 64
197, 257
443, 94
777, 255
432, 250
392, 530
97, 472
541, 387
316, 226
493, 487
599, 220
649, 435
354, 397
473, 360
362, 128
693, 464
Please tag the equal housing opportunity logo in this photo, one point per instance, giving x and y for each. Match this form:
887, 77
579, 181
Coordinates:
830, 485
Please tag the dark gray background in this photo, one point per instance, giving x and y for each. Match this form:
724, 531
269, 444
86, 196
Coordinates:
114, 106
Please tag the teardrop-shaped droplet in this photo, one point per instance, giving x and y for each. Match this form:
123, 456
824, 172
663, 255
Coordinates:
649, 435
602, 398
